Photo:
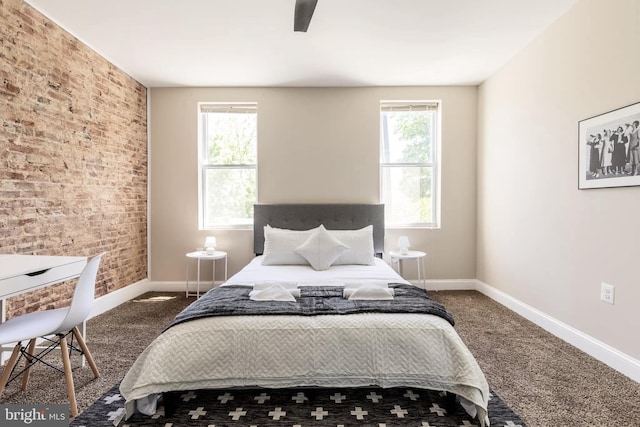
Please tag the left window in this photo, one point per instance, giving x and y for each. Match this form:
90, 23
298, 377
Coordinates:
228, 139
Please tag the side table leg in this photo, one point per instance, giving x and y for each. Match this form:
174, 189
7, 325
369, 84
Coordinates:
213, 274
198, 287
186, 285
422, 273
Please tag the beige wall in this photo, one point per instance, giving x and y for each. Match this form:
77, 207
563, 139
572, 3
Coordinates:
315, 145
540, 239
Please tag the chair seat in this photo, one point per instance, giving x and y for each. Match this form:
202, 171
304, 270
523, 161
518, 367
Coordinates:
62, 321
30, 325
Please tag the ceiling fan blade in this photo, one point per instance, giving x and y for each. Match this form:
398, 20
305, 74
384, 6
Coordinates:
303, 13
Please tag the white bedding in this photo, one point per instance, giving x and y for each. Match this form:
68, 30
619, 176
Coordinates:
255, 272
388, 350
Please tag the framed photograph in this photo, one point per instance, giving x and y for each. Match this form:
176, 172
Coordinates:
609, 149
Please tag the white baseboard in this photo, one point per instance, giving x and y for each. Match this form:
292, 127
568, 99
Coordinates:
180, 286
616, 359
430, 285
167, 286
448, 285
113, 299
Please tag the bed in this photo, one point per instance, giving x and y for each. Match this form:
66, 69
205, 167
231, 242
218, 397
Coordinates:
266, 326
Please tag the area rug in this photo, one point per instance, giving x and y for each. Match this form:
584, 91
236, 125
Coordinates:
302, 407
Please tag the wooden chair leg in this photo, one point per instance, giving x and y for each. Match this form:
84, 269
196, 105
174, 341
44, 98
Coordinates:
9, 368
68, 376
86, 352
28, 363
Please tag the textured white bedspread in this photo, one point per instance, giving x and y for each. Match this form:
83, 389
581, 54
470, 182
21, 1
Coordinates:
388, 350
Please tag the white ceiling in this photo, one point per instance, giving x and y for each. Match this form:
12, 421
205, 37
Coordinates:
349, 42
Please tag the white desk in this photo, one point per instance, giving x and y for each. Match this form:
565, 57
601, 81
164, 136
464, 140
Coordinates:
23, 273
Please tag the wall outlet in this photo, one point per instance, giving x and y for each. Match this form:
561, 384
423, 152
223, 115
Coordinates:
607, 292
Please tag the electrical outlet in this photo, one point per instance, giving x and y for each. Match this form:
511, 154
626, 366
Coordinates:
607, 292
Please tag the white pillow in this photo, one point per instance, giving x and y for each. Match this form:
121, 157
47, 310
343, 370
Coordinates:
280, 246
321, 249
360, 244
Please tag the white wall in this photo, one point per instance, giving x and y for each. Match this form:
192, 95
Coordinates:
315, 145
540, 239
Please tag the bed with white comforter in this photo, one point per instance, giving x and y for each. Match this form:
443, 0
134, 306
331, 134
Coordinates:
383, 349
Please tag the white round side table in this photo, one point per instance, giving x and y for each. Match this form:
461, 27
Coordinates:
200, 256
397, 257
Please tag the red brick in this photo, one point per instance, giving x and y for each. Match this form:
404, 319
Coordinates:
73, 170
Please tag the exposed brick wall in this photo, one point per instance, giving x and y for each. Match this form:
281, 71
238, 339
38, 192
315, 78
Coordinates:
73, 170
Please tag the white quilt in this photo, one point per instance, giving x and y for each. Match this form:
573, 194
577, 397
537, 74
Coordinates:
386, 350
255, 272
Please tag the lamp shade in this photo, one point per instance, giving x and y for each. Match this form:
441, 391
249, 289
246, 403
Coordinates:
403, 244
210, 244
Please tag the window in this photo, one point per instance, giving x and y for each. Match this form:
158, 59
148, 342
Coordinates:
409, 145
227, 135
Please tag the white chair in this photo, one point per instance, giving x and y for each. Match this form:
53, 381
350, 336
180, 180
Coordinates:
60, 322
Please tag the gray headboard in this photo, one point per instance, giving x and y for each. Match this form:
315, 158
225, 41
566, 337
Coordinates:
306, 216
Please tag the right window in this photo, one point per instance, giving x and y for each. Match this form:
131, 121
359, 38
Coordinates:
409, 169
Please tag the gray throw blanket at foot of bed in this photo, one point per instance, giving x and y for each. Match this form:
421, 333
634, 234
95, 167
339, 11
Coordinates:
233, 300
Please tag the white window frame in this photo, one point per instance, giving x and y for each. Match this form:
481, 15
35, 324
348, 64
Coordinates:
434, 164
203, 166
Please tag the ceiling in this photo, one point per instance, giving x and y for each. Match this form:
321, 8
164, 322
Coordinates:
349, 42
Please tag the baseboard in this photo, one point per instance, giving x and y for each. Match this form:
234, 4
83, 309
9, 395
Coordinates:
430, 285
448, 285
167, 286
616, 359
113, 299
180, 286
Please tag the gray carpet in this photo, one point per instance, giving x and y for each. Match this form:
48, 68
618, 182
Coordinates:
544, 380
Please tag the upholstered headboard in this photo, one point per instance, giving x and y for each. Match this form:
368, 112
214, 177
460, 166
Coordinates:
306, 216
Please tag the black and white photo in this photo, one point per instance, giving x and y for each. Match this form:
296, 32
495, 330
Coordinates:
609, 149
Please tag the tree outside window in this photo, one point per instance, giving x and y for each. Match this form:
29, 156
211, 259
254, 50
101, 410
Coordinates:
228, 157
408, 167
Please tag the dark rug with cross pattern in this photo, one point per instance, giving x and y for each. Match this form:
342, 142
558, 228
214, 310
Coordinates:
302, 407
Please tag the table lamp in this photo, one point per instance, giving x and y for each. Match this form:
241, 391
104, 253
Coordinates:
403, 243
210, 245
